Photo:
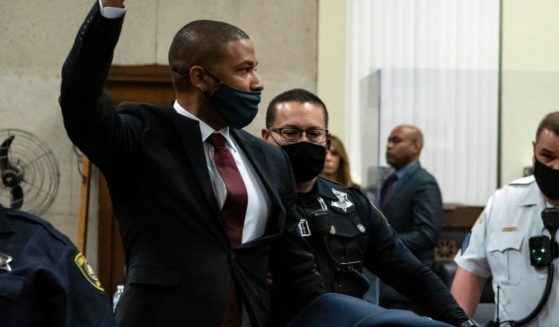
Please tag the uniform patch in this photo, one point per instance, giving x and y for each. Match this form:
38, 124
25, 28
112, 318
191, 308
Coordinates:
343, 202
304, 228
87, 271
5, 260
465, 243
509, 229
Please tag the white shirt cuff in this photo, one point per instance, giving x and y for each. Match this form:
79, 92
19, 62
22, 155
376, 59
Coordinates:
111, 12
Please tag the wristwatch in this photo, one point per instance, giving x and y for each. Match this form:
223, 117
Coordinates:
469, 323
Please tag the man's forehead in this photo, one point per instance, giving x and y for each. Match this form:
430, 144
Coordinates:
548, 140
297, 111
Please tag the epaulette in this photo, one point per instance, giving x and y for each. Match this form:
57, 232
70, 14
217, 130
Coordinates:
523, 181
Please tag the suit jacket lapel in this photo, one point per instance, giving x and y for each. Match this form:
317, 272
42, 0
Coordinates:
191, 139
401, 182
252, 151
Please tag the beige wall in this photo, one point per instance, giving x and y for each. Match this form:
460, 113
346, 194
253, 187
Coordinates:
331, 81
530, 73
530, 77
36, 36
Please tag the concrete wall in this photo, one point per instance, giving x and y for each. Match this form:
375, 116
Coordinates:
36, 36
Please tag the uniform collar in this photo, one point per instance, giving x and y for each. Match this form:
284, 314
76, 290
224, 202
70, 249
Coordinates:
325, 188
5, 226
533, 196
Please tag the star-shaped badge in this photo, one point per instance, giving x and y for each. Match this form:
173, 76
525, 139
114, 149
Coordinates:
5, 262
343, 202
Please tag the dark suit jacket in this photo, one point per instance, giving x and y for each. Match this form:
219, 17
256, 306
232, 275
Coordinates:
414, 209
180, 264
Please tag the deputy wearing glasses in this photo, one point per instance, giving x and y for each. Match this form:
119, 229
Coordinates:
345, 230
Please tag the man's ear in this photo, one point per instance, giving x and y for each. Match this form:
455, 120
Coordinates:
197, 76
265, 133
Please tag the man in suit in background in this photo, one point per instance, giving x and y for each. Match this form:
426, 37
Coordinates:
205, 209
411, 200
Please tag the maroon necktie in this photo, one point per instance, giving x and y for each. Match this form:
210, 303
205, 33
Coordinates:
387, 187
233, 213
235, 205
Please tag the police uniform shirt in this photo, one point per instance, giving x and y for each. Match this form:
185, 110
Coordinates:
44, 280
498, 246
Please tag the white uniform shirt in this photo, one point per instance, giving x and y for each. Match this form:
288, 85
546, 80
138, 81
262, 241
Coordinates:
499, 247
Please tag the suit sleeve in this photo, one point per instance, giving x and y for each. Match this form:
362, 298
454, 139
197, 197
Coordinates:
427, 211
89, 118
388, 258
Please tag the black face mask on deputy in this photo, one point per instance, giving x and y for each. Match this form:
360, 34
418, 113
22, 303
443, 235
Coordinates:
547, 179
307, 159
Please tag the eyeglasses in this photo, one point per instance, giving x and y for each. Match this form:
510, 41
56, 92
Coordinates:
314, 135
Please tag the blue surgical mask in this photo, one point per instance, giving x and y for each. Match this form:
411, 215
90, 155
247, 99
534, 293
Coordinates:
238, 108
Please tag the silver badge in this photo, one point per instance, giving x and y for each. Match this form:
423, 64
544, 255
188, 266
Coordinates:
343, 202
304, 228
5, 262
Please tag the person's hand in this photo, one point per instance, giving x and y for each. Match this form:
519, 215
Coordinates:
113, 3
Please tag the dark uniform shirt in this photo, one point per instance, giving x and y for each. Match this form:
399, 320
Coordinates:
347, 232
44, 280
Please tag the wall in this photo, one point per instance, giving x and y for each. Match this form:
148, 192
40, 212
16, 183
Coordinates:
36, 36
530, 78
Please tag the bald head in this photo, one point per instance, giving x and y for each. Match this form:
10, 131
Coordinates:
404, 145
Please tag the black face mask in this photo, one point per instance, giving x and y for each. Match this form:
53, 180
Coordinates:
547, 179
307, 159
238, 108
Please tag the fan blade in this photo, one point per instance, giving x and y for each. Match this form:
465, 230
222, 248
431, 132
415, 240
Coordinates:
4, 163
16, 197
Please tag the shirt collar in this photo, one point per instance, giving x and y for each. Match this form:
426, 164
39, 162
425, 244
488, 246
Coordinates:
205, 129
407, 168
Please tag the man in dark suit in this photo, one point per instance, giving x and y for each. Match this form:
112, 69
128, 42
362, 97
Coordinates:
411, 200
206, 210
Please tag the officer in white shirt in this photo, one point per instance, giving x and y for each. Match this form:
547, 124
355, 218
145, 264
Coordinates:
511, 243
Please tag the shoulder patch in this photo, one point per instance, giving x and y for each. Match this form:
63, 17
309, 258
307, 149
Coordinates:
87, 271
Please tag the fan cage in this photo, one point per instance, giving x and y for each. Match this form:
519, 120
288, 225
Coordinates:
39, 168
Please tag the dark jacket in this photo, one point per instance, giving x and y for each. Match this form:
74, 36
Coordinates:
357, 236
178, 256
414, 209
48, 282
